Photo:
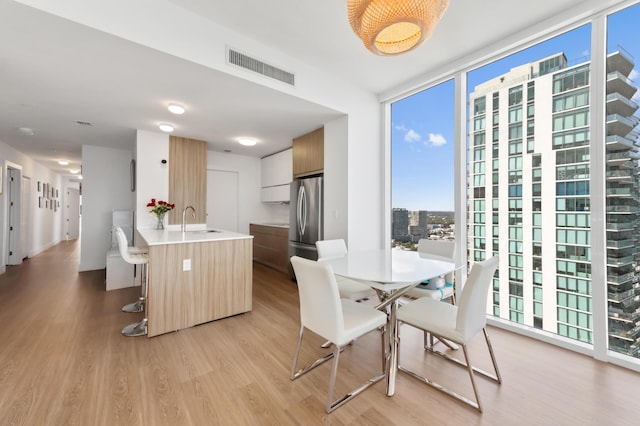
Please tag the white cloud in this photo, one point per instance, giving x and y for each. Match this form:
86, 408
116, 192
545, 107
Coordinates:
412, 136
437, 139
400, 127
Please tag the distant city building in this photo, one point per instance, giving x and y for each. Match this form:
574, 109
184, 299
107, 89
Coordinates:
531, 197
412, 226
400, 225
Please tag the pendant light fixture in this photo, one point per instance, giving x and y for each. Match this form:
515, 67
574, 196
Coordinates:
391, 27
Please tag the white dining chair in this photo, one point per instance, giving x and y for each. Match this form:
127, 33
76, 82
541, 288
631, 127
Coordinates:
349, 289
456, 323
438, 249
340, 321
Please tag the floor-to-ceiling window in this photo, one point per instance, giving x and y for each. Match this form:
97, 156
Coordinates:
622, 184
565, 225
422, 157
529, 137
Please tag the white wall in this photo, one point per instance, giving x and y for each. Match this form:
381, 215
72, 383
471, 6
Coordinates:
152, 176
336, 188
249, 206
105, 187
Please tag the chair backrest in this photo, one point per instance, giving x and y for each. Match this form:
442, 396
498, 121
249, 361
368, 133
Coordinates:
472, 307
439, 248
123, 245
320, 307
330, 249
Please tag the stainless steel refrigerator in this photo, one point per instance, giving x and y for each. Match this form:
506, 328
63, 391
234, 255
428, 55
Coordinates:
305, 217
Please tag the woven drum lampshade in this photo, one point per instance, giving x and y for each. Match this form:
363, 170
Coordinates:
390, 27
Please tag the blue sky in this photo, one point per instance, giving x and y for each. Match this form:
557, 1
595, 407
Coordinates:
422, 124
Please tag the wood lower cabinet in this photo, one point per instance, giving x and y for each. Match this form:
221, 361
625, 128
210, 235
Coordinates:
271, 246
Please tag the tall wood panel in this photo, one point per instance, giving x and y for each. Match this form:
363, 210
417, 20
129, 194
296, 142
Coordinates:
187, 178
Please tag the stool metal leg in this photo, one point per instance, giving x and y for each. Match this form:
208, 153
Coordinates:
138, 306
139, 328
136, 329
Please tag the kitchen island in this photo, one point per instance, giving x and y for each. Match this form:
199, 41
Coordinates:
195, 277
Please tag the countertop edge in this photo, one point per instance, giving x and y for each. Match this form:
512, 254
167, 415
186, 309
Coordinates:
154, 237
271, 224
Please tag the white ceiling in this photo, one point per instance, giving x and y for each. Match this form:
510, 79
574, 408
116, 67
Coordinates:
54, 72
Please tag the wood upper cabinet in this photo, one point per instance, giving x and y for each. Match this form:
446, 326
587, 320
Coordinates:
308, 154
187, 179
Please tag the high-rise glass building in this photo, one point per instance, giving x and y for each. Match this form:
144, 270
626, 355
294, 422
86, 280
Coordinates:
400, 225
530, 196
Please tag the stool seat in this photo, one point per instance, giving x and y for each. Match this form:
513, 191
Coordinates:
137, 258
138, 250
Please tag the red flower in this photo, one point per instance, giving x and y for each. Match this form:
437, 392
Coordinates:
160, 207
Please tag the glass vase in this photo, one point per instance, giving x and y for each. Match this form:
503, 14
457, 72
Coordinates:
160, 224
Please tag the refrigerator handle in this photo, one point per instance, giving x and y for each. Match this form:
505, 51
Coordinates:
299, 208
303, 211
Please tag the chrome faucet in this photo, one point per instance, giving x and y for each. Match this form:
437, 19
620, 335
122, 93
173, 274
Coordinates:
184, 217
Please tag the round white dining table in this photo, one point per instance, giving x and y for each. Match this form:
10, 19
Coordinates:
391, 272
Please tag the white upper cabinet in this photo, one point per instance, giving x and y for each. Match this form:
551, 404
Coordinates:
276, 172
276, 169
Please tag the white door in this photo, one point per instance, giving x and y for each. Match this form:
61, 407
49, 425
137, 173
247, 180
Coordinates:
72, 213
14, 181
222, 200
26, 229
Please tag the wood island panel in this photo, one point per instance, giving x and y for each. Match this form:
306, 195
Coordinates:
218, 285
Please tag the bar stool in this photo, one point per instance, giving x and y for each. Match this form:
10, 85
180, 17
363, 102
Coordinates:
137, 306
134, 257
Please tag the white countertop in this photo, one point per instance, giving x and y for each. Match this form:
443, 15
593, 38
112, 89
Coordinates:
155, 237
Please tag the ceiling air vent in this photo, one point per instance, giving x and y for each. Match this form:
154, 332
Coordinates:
83, 123
236, 58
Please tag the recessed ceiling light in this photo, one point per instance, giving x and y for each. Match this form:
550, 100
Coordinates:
63, 163
166, 128
247, 141
176, 109
27, 131
74, 171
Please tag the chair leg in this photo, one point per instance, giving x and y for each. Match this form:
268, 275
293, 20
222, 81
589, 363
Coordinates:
350, 395
498, 377
295, 374
477, 405
467, 364
332, 405
429, 342
332, 380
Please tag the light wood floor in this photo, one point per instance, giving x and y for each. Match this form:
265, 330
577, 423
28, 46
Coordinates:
63, 361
